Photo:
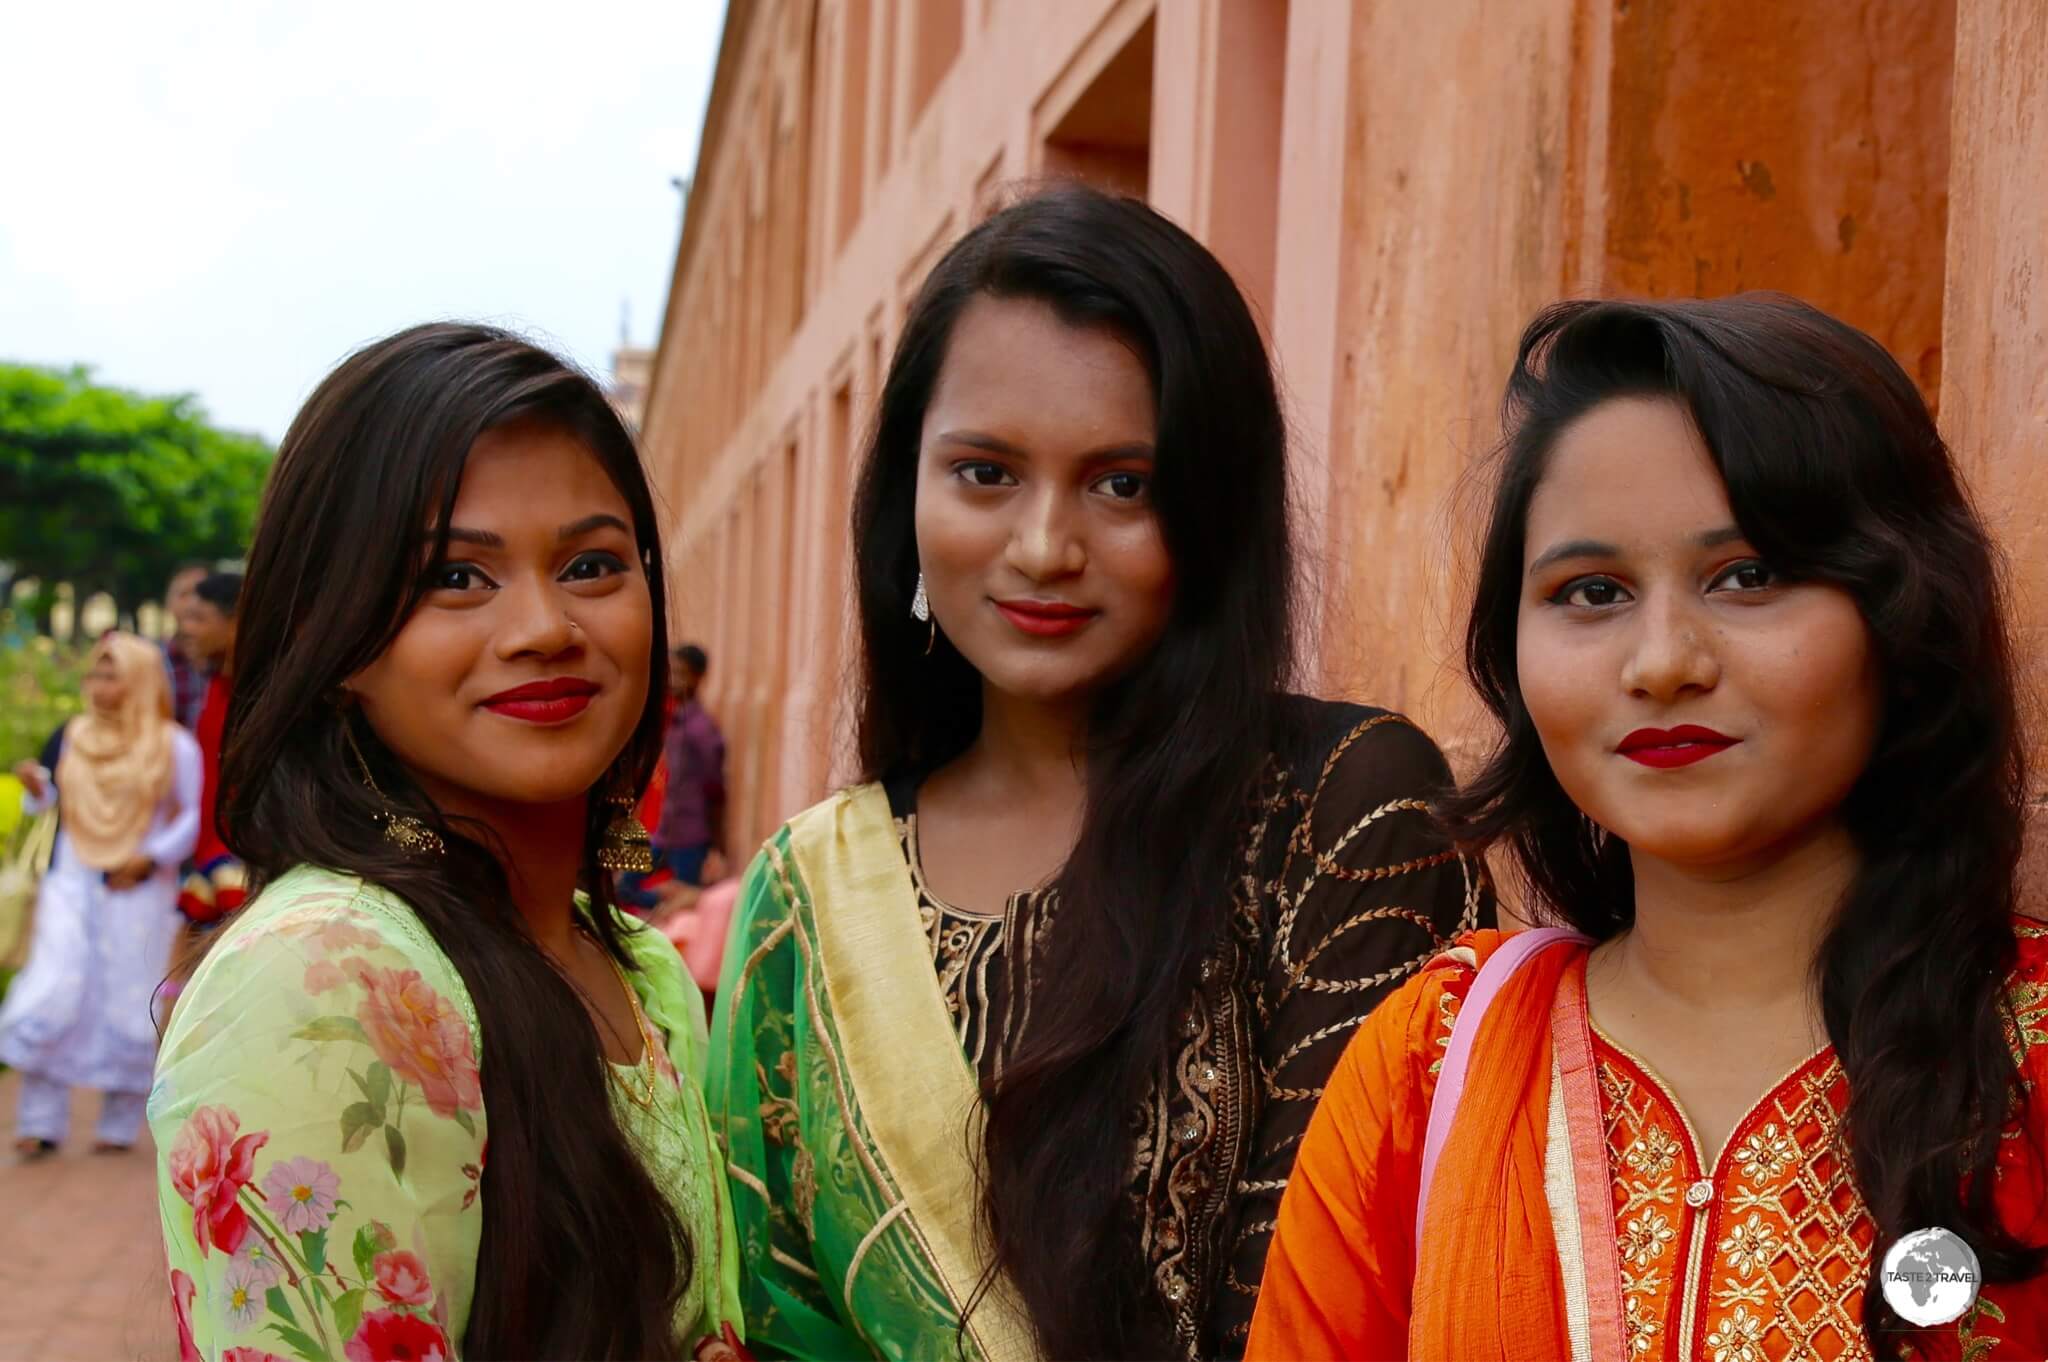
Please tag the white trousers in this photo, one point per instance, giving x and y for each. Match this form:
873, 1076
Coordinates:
45, 1113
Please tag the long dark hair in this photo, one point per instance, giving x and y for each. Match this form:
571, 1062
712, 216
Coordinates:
1175, 747
1836, 474
581, 1255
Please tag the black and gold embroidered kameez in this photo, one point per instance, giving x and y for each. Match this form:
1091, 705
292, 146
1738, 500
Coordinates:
1345, 890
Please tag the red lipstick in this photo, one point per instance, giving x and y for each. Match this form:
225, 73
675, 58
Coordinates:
553, 701
1045, 619
1674, 747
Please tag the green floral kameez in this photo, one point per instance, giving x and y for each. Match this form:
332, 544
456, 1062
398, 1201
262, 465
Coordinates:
319, 1116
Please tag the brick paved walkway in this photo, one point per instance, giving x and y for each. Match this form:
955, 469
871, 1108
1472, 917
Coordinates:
81, 1266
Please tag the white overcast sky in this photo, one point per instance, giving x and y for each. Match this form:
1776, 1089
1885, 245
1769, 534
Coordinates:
224, 197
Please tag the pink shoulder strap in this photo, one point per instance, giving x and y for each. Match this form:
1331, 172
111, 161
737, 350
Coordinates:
1505, 962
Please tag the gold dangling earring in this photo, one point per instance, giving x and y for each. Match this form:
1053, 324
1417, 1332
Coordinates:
402, 830
626, 845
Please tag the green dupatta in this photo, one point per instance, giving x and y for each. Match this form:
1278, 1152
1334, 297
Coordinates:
847, 1110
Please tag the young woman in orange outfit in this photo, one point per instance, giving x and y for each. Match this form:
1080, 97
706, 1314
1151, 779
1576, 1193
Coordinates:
1762, 769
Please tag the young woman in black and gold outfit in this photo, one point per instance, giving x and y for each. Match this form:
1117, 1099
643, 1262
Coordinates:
1038, 1095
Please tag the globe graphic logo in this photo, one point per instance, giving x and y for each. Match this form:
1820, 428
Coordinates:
1930, 1277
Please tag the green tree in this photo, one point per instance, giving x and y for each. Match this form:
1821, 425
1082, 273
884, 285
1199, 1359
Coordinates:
111, 490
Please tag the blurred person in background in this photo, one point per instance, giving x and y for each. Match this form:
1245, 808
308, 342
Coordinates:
691, 893
684, 803
126, 783
189, 678
206, 625
693, 811
205, 616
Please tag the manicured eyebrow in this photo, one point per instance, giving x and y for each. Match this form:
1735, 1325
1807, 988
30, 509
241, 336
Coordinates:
1714, 539
458, 535
1123, 453
974, 439
1572, 548
601, 521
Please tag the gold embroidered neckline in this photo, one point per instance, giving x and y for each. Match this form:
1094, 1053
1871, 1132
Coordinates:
1709, 1169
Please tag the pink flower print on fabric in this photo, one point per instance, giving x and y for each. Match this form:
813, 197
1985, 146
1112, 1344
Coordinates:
324, 976
257, 1254
249, 1355
388, 1336
301, 1192
421, 1037
209, 1167
402, 1278
241, 1294
182, 1292
338, 934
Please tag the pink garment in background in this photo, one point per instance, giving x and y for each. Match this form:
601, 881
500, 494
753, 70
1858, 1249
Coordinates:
699, 934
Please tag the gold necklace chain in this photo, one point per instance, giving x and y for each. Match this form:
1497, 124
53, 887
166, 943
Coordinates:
645, 1096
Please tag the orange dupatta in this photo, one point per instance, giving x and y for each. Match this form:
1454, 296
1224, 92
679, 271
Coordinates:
1344, 1278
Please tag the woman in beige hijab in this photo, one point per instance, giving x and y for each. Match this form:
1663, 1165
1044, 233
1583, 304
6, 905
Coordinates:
126, 782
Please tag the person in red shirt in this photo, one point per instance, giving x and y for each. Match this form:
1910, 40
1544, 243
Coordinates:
206, 621
188, 677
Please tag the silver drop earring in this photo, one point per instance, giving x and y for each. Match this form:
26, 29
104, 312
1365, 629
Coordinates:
921, 611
